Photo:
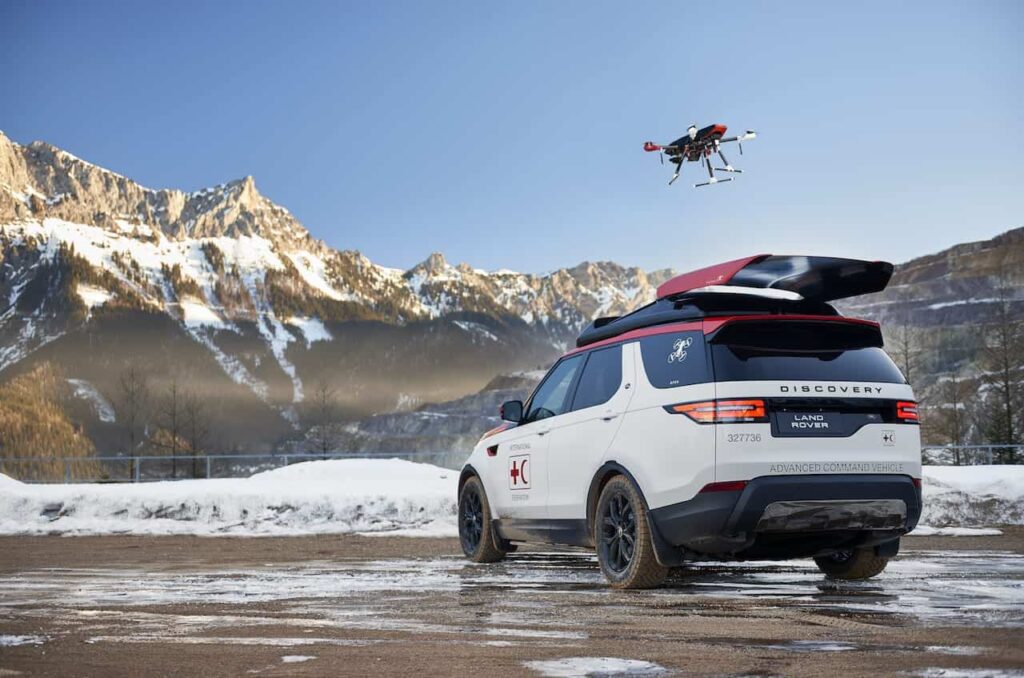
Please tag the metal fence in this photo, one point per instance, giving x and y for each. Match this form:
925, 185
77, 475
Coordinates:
143, 468
120, 469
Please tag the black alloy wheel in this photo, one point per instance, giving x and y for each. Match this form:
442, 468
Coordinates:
477, 535
618, 532
471, 520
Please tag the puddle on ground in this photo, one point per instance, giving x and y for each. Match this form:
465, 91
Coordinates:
552, 599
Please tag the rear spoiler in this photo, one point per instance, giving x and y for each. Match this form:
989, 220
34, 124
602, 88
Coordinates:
813, 278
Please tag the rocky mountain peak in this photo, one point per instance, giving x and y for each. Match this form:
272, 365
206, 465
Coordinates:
432, 266
40, 181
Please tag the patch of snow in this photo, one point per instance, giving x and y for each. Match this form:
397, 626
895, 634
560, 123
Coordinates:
296, 658
929, 531
14, 641
969, 673
964, 650
476, 329
195, 313
318, 497
973, 496
813, 646
278, 338
960, 302
312, 329
407, 402
231, 365
86, 391
93, 296
581, 667
1006, 481
314, 273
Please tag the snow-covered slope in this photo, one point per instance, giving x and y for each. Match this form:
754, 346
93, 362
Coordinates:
973, 495
351, 495
79, 244
378, 496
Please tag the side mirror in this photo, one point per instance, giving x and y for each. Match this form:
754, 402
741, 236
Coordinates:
512, 411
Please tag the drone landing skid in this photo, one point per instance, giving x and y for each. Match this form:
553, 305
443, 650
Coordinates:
712, 181
679, 168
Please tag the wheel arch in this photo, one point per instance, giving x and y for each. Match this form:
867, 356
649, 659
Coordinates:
468, 472
607, 471
664, 553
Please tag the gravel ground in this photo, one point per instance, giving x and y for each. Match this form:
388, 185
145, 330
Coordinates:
348, 605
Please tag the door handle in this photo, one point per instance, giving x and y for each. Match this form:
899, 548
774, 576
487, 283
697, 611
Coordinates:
544, 433
609, 416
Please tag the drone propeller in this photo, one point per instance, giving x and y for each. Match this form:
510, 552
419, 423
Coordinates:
751, 134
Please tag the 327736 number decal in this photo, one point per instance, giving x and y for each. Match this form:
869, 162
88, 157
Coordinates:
744, 437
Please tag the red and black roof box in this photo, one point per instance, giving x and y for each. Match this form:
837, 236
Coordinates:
813, 278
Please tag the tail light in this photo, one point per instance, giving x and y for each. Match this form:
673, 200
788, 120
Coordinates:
906, 411
727, 486
729, 411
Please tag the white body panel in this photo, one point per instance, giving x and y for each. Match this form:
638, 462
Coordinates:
580, 441
512, 496
866, 451
670, 456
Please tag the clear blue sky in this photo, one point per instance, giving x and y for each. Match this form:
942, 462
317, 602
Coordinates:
509, 134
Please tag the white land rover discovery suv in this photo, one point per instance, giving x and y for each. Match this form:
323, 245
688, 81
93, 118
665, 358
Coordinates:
738, 416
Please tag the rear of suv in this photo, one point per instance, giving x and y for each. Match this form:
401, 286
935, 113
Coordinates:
738, 416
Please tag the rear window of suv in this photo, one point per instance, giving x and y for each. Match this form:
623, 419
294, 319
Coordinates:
801, 350
733, 363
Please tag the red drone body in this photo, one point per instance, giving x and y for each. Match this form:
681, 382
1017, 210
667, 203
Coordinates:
700, 144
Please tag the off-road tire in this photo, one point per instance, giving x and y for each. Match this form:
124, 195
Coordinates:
476, 531
854, 564
635, 567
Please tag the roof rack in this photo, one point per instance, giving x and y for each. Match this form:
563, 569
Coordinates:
696, 306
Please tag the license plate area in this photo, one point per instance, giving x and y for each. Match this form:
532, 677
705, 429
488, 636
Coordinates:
826, 417
808, 424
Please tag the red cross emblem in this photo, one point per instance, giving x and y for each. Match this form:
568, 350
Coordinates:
518, 478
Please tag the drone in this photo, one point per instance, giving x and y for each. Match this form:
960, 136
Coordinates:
698, 144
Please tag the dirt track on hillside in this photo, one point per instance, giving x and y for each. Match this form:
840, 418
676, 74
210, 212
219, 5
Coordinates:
126, 606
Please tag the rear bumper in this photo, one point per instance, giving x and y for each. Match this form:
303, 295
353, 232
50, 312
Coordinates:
792, 516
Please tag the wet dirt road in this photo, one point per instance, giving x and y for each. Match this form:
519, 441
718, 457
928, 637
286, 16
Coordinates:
127, 606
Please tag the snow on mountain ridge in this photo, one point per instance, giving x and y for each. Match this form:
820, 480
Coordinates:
220, 257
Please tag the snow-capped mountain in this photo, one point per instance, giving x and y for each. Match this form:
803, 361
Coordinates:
91, 258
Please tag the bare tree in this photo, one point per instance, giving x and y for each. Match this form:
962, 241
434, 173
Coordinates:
951, 419
171, 421
196, 427
133, 403
1003, 361
324, 418
906, 348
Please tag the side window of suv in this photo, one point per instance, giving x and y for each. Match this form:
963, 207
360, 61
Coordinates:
675, 359
601, 378
552, 397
